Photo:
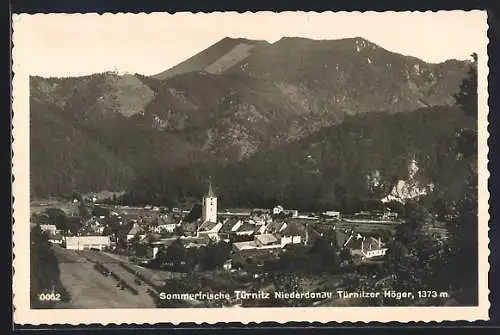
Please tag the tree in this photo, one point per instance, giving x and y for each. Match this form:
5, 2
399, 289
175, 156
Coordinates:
417, 217
179, 231
466, 98
175, 254
134, 241
100, 211
213, 256
346, 255
39, 219
464, 245
463, 242
325, 251
83, 211
74, 224
57, 217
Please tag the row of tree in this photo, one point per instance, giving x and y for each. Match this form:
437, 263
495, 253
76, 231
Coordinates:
178, 258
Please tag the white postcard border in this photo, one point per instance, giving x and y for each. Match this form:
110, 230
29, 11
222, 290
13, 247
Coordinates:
21, 262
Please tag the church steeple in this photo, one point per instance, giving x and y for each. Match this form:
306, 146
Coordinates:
210, 193
209, 205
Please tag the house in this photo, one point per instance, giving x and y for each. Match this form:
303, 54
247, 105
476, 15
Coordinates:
278, 210
209, 229
292, 234
165, 223
56, 238
332, 214
136, 229
264, 240
227, 265
246, 245
87, 242
365, 246
236, 224
189, 228
226, 229
390, 215
261, 229
291, 212
48, 228
245, 229
373, 247
260, 242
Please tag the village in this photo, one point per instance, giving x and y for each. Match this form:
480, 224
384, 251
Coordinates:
115, 228
244, 243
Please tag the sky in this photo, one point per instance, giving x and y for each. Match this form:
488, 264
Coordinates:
61, 45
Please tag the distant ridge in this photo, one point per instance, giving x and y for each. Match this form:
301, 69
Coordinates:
237, 99
215, 58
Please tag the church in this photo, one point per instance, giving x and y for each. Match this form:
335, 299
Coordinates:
209, 206
209, 226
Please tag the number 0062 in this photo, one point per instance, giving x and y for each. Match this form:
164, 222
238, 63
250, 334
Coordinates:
49, 297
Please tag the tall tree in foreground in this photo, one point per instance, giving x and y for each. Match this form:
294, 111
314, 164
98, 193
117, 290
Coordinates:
466, 98
463, 267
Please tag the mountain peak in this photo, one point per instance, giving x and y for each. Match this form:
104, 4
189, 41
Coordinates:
216, 58
241, 40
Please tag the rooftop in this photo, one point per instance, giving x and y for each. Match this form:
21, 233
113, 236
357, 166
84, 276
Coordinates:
266, 238
210, 193
274, 226
246, 227
91, 239
136, 229
293, 229
228, 225
245, 245
207, 226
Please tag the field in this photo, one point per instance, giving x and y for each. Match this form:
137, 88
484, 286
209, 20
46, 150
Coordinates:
88, 288
40, 206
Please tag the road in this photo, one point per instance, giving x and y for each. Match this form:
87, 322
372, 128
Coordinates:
88, 288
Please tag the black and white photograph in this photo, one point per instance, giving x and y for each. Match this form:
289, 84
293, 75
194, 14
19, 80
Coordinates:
247, 161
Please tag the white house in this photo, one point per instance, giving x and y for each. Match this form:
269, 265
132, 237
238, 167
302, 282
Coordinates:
49, 228
278, 209
136, 229
227, 265
87, 242
332, 214
260, 242
165, 224
56, 239
366, 247
293, 212
292, 234
373, 247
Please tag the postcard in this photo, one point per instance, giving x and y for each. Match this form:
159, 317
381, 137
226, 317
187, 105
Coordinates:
250, 167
